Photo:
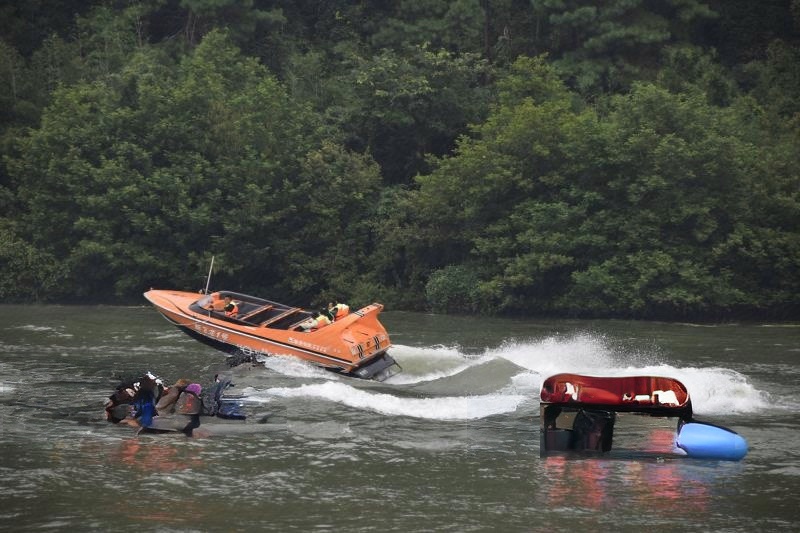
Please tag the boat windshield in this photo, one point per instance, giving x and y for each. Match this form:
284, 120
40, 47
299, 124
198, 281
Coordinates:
204, 302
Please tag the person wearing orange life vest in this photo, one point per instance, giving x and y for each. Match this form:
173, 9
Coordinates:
322, 319
338, 310
231, 307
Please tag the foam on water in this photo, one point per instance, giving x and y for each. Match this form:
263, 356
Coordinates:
48, 330
293, 367
432, 363
714, 391
438, 408
553, 355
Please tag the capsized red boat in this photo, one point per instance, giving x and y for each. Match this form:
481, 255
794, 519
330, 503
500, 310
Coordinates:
578, 415
354, 345
657, 396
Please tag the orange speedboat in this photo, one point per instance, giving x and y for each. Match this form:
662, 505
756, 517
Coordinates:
355, 344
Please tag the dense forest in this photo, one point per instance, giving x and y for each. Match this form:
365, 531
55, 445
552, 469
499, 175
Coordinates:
614, 158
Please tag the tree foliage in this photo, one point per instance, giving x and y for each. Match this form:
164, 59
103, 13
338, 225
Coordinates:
155, 169
634, 209
606, 46
622, 158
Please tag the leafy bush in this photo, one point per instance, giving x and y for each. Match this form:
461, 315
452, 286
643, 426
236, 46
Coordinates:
453, 289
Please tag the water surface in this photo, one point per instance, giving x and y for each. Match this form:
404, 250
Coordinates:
451, 444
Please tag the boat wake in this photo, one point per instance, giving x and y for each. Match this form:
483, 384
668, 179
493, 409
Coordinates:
439, 408
446, 383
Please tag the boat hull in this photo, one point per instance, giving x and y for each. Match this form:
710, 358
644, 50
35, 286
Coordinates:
354, 345
642, 394
578, 414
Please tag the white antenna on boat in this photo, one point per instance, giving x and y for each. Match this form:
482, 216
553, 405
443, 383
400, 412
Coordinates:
208, 280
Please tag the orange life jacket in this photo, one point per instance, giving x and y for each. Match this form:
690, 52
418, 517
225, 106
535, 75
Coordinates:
232, 309
340, 310
322, 321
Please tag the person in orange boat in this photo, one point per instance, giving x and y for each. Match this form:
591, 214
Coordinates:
231, 307
338, 310
322, 319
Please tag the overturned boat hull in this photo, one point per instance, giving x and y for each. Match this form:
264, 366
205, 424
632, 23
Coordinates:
355, 345
578, 414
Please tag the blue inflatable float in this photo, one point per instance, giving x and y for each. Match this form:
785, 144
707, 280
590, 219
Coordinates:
707, 441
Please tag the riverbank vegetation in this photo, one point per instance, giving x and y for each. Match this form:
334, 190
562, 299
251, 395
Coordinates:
572, 158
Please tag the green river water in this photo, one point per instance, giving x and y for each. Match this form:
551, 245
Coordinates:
451, 444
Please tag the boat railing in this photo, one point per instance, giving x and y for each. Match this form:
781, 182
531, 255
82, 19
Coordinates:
272, 321
253, 315
238, 296
253, 311
227, 318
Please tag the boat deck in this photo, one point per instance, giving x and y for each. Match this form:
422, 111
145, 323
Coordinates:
256, 312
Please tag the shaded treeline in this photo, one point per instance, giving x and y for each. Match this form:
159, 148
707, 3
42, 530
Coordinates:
632, 158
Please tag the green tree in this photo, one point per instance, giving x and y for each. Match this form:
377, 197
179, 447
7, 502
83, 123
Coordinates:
605, 47
687, 68
455, 26
775, 81
135, 181
402, 107
468, 204
138, 139
744, 30
642, 207
24, 25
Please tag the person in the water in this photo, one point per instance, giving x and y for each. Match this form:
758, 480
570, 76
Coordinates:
166, 404
152, 408
134, 398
